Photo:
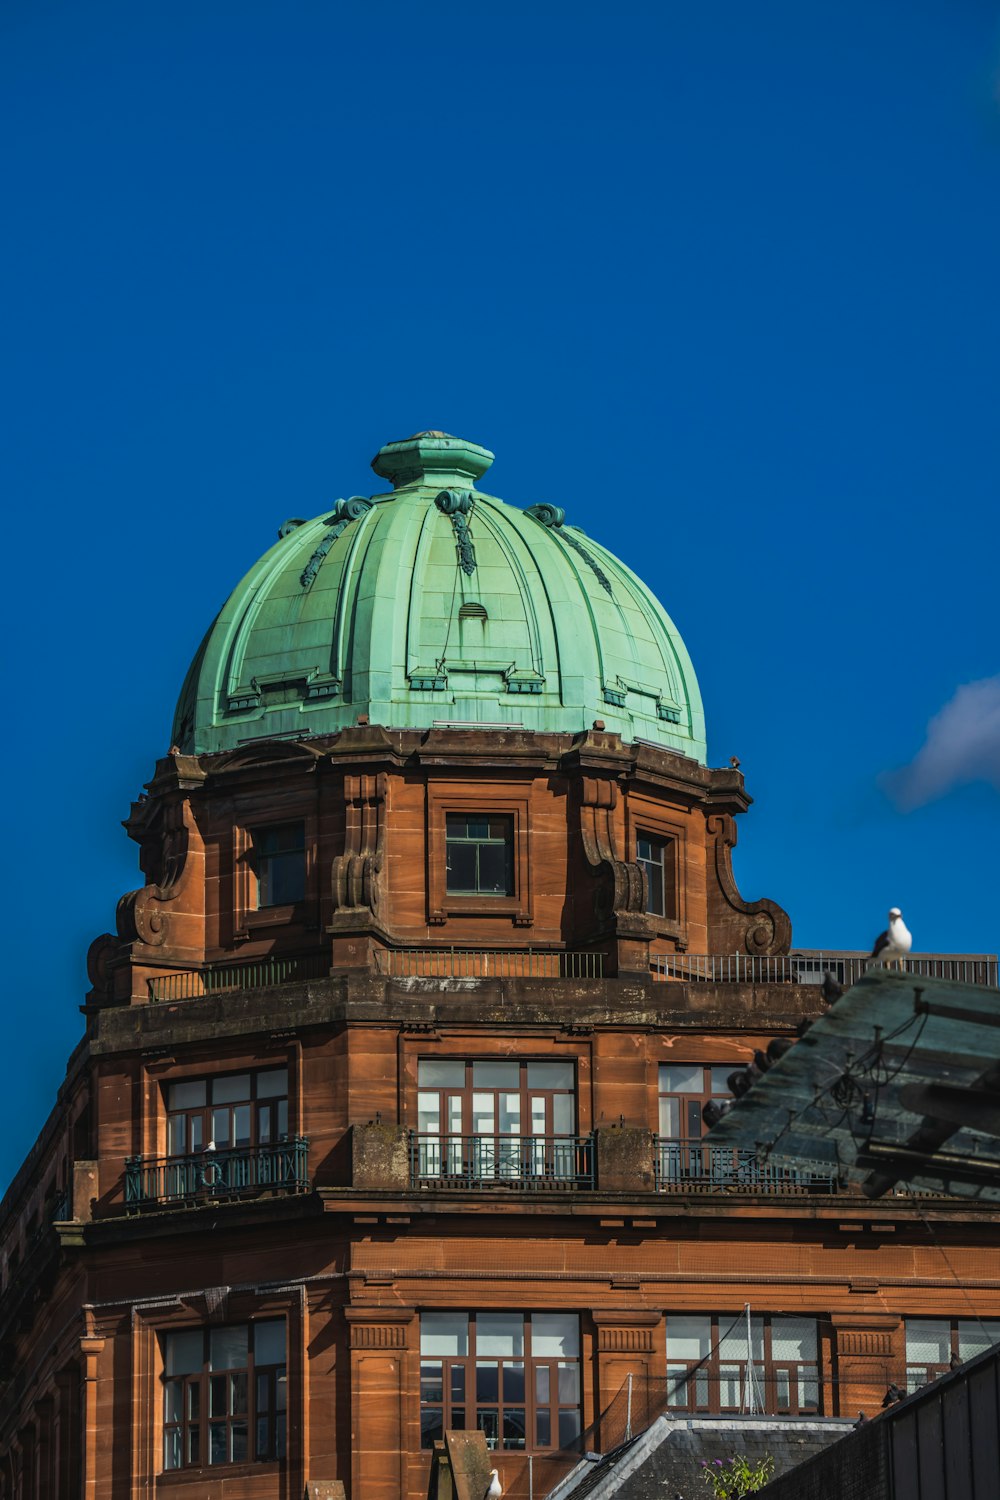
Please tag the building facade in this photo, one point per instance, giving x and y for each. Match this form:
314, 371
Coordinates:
387, 1115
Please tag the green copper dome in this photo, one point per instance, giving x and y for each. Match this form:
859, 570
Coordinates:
437, 602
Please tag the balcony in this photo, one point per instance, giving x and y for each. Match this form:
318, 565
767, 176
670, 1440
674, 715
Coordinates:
486, 963
533, 1162
690, 1166
213, 1176
808, 966
196, 984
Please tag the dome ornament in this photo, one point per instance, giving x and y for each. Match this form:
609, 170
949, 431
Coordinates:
457, 504
549, 515
344, 512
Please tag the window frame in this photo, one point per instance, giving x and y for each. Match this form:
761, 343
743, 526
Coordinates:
256, 1102
470, 1404
488, 800
251, 818
508, 1155
204, 1382
261, 860
694, 1099
707, 1374
932, 1370
467, 841
666, 864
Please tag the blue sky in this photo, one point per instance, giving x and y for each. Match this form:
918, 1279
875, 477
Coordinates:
722, 280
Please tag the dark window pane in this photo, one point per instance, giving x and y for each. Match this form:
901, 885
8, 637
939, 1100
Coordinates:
488, 1423
513, 1382
477, 827
494, 868
487, 1383
655, 902
172, 1400
543, 1427
569, 1428
194, 1445
458, 1418
239, 1393
458, 1382
281, 1390
461, 867
239, 1442
431, 1383
279, 1435
263, 1392
217, 1443
218, 1396
194, 1399
431, 1426
172, 1448
263, 1445
514, 1430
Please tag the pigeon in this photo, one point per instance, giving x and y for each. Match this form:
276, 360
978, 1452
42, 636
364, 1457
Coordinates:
892, 1395
494, 1489
830, 989
894, 943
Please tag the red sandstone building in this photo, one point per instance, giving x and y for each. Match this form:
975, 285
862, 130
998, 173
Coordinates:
387, 1112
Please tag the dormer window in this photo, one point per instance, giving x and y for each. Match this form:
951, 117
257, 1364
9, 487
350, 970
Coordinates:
279, 853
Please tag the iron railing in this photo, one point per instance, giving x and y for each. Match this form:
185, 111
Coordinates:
195, 984
210, 1175
488, 963
490, 1161
809, 966
691, 1166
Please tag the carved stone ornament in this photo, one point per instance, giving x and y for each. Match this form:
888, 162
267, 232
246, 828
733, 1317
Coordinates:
761, 928
100, 956
622, 884
356, 872
142, 915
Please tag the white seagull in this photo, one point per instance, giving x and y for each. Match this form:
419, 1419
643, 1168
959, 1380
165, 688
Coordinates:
495, 1489
895, 942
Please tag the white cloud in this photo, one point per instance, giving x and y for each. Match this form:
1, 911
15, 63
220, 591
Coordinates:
962, 745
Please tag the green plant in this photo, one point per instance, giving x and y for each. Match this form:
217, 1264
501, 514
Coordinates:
738, 1477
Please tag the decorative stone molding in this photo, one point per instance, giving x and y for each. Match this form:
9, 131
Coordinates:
622, 884
378, 1327
355, 873
623, 1331
143, 915
761, 928
344, 512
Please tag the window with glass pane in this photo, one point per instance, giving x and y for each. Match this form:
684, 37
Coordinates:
657, 856
684, 1088
279, 856
224, 1395
506, 1119
514, 1376
479, 852
713, 1366
231, 1112
934, 1345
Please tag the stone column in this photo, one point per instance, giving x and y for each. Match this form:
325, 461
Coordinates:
379, 1338
91, 1349
870, 1354
628, 1342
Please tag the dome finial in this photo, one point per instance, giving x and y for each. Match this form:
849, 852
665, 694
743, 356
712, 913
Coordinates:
432, 457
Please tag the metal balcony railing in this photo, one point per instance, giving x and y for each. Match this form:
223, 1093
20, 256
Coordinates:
691, 1166
488, 963
195, 984
211, 1175
808, 966
491, 1161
